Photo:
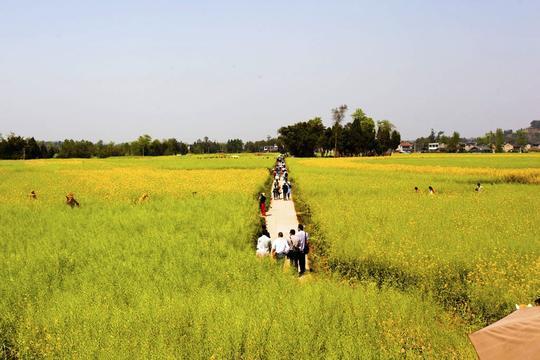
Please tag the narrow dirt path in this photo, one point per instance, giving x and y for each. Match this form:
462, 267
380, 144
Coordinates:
281, 217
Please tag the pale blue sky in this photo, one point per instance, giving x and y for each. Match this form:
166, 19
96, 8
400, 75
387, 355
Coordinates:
113, 70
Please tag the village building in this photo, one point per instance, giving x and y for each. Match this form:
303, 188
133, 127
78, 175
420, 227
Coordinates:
270, 148
405, 147
508, 147
433, 146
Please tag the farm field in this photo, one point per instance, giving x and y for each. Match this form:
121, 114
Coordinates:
176, 276
477, 254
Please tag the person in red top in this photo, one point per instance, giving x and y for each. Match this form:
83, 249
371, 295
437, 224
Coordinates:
262, 204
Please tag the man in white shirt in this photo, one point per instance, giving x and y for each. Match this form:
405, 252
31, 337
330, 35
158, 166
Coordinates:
280, 248
264, 244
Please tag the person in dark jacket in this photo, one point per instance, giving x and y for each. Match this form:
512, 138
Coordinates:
285, 189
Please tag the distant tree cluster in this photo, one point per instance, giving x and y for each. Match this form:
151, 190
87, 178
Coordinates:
360, 137
492, 141
258, 146
16, 147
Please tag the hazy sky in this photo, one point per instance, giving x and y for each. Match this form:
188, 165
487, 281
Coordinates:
113, 70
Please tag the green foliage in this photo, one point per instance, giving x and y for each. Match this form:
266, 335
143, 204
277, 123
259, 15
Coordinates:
234, 146
303, 138
453, 142
338, 115
359, 137
499, 140
521, 138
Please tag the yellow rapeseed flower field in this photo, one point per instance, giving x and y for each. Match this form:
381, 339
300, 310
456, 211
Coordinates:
477, 253
173, 274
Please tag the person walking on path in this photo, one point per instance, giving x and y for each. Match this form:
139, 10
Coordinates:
280, 248
303, 249
276, 190
262, 204
294, 248
289, 190
285, 189
264, 245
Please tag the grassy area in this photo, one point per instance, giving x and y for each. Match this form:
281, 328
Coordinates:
176, 276
492, 161
476, 253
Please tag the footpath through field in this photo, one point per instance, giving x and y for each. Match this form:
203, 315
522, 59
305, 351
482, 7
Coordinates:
281, 217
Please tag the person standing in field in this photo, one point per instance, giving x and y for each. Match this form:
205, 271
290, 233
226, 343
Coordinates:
285, 189
478, 188
280, 248
303, 249
431, 190
71, 201
294, 248
416, 190
262, 204
289, 190
264, 245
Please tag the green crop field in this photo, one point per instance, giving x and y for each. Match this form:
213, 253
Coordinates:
477, 254
176, 277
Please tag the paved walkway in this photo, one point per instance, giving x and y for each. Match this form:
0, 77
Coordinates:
281, 217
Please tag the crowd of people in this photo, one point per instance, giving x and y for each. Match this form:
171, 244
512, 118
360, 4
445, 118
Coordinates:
294, 247
282, 188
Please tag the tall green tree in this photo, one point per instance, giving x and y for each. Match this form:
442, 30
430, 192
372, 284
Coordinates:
384, 129
521, 139
302, 139
338, 115
453, 142
395, 139
234, 146
142, 144
499, 140
432, 138
369, 141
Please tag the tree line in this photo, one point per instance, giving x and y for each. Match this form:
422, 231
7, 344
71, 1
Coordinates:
362, 136
16, 147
